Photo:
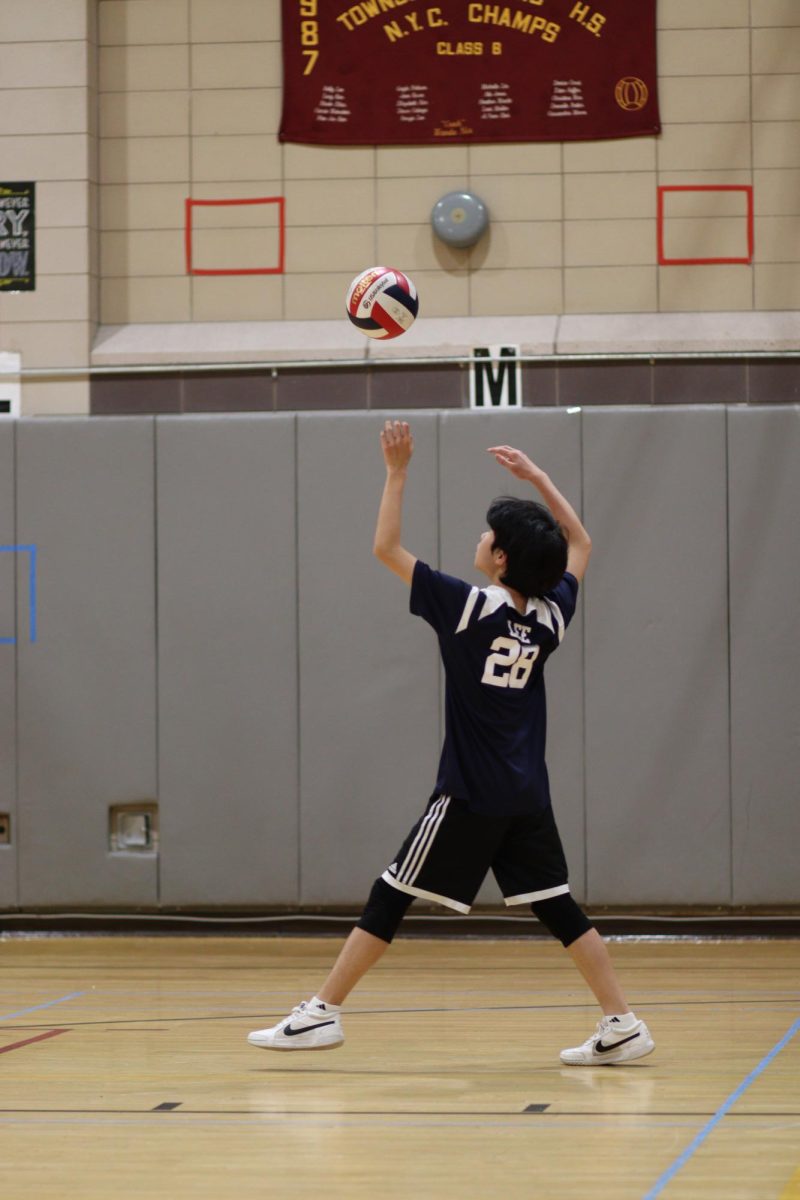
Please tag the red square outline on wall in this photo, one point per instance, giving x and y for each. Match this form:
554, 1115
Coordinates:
663, 261
278, 270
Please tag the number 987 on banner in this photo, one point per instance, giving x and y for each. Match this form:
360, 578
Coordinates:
309, 34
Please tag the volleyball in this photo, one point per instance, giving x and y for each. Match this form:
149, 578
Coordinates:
382, 302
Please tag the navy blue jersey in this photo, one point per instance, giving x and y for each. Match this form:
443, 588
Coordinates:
495, 709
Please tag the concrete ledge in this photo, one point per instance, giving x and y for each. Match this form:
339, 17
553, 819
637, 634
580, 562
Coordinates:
676, 333
447, 337
227, 341
310, 341
458, 337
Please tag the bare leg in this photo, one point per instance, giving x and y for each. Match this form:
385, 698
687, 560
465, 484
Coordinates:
591, 957
361, 951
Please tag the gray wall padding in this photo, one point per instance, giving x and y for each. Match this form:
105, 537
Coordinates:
764, 450
657, 770
8, 664
369, 693
215, 633
86, 712
227, 651
656, 681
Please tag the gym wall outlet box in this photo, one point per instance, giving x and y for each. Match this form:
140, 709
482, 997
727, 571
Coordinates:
133, 828
10, 387
5, 829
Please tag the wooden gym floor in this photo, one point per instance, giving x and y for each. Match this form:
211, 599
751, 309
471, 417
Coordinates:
124, 1072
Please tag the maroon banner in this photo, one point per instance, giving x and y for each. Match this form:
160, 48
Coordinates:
406, 72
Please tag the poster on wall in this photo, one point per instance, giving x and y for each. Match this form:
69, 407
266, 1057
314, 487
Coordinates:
17, 237
406, 72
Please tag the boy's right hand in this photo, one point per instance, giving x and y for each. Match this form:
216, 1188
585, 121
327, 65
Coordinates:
397, 444
580, 544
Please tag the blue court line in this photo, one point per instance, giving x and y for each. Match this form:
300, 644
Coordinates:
23, 1012
682, 1159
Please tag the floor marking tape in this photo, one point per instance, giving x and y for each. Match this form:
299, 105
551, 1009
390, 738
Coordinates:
792, 1189
707, 1129
35, 1007
40, 1037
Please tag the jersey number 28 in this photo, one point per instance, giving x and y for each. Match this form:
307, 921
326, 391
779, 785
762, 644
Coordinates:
511, 663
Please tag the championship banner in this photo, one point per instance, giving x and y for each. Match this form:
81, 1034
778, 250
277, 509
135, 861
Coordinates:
17, 237
406, 72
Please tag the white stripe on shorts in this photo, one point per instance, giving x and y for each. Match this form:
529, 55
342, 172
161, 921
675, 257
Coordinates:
421, 894
532, 897
410, 868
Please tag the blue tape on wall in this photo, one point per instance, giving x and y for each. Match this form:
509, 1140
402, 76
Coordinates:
31, 551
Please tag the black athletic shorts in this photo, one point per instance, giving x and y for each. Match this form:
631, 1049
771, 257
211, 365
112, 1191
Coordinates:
450, 850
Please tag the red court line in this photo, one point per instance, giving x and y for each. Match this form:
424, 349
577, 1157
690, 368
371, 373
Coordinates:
40, 1037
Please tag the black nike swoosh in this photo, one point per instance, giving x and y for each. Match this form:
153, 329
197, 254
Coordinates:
306, 1028
601, 1049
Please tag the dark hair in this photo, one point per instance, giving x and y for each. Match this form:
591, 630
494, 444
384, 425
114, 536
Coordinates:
533, 541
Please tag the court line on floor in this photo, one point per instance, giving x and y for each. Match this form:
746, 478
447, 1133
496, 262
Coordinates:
154, 1119
703, 995
381, 1012
400, 967
27, 1041
721, 1112
283, 1112
22, 1012
324, 1123
684, 1117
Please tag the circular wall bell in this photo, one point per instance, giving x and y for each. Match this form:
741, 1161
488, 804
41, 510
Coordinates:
459, 219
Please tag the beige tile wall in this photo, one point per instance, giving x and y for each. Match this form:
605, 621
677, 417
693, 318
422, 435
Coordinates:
190, 105
712, 288
121, 109
93, 121
47, 135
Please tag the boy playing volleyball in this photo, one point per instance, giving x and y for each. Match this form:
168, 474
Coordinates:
491, 805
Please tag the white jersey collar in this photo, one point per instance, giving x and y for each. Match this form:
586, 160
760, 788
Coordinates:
547, 612
496, 597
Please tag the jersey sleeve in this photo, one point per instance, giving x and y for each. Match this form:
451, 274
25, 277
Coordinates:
564, 599
439, 599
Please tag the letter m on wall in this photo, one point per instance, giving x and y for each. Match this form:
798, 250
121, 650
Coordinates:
495, 379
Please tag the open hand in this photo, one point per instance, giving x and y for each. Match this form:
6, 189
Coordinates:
514, 461
397, 444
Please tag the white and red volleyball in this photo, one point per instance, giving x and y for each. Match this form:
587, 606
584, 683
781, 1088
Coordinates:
382, 302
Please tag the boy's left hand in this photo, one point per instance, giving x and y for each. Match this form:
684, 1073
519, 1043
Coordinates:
397, 444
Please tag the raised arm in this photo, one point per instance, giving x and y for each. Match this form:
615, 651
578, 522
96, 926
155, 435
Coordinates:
397, 445
578, 540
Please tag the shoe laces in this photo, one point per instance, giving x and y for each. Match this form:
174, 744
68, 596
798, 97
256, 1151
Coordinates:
606, 1025
603, 1026
299, 1010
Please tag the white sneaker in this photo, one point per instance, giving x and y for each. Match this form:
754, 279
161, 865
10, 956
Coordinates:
613, 1041
311, 1026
